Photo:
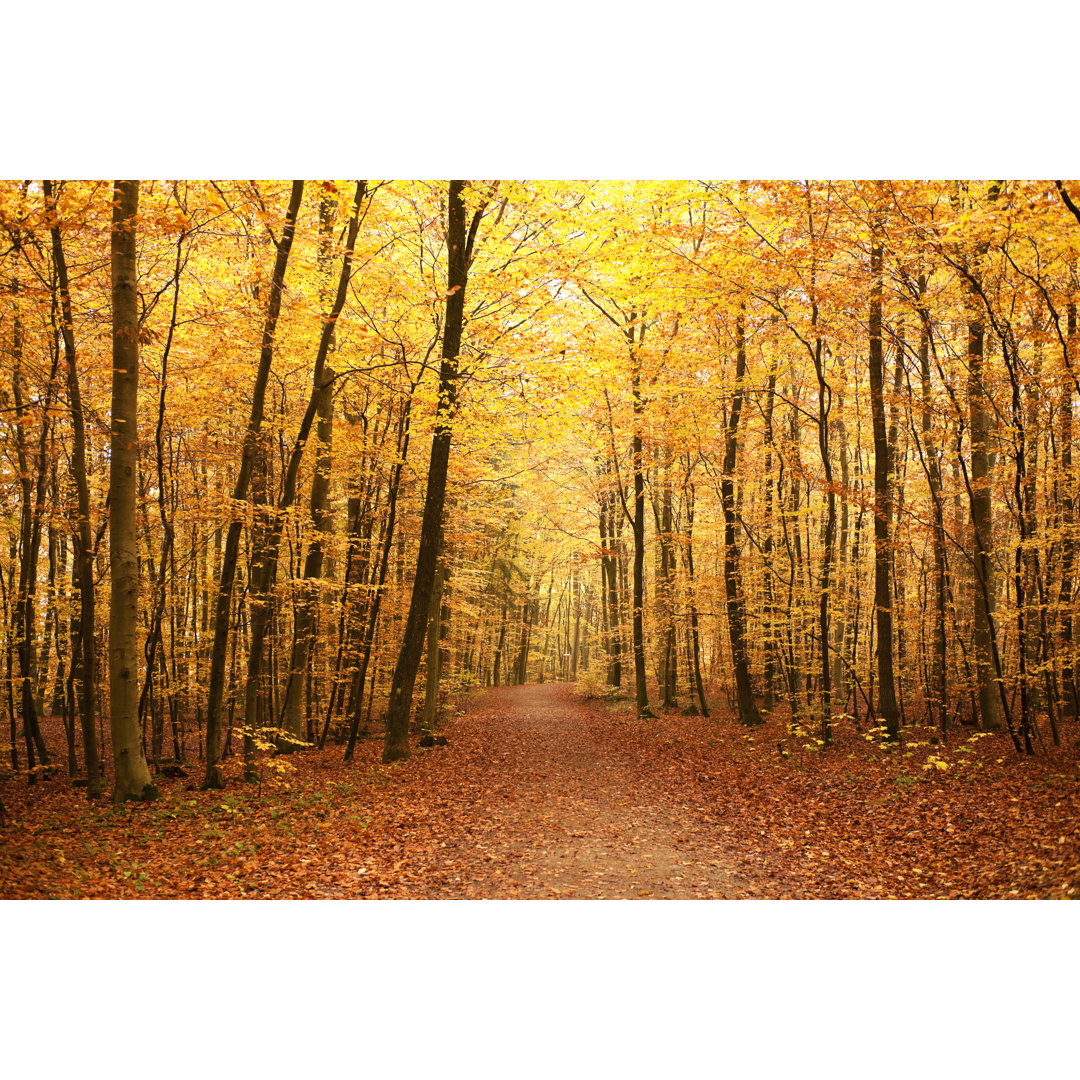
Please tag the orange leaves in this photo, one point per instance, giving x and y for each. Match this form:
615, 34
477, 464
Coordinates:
171, 222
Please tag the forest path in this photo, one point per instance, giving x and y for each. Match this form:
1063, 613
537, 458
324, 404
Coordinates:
546, 797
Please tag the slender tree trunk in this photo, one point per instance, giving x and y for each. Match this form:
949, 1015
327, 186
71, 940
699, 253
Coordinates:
1023, 494
497, 660
84, 644
611, 560
521, 665
459, 250
219, 651
767, 547
160, 589
938, 665
307, 606
1070, 698
264, 571
132, 779
841, 687
982, 523
384, 564
547, 624
748, 710
886, 707
431, 689
31, 502
829, 540
606, 621
669, 685
695, 635
641, 693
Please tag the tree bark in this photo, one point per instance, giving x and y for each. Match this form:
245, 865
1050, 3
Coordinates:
459, 250
748, 710
1069, 677
695, 635
938, 665
307, 605
982, 522
23, 626
886, 707
219, 650
84, 658
264, 570
384, 564
132, 776
431, 689
641, 693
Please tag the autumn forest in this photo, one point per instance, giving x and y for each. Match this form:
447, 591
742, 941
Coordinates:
494, 538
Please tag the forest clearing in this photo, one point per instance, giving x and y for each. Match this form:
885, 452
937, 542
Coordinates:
506, 539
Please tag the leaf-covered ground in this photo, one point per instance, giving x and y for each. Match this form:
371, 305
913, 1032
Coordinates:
538, 795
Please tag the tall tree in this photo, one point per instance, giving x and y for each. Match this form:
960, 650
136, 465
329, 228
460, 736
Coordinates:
887, 707
982, 520
227, 578
84, 644
321, 517
264, 569
132, 776
459, 247
748, 710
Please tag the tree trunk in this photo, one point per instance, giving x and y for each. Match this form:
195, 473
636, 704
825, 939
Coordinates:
669, 682
23, 627
641, 693
132, 776
767, 548
84, 658
321, 515
219, 650
307, 605
431, 689
610, 561
264, 570
384, 564
887, 708
938, 666
84, 652
829, 540
748, 710
459, 250
695, 635
982, 522
1069, 678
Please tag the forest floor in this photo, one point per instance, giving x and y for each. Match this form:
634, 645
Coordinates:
539, 795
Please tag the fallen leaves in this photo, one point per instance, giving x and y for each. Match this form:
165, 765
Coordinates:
541, 796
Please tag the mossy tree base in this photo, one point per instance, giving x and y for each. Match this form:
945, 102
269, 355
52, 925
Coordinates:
214, 780
147, 793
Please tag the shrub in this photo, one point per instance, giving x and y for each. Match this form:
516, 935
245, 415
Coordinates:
592, 687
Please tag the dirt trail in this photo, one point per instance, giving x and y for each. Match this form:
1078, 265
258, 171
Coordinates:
555, 801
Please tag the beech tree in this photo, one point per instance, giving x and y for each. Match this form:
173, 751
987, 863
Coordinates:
219, 649
459, 247
132, 780
883, 603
